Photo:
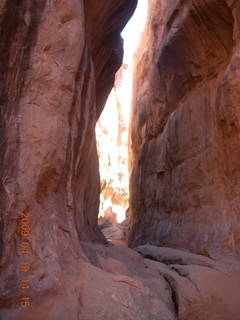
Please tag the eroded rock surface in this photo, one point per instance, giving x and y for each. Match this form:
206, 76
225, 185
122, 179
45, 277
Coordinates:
185, 182
201, 292
58, 60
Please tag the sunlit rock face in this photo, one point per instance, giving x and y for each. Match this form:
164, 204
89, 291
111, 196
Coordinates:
185, 181
112, 144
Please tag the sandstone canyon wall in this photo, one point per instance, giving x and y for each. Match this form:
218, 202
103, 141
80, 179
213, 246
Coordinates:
185, 127
57, 64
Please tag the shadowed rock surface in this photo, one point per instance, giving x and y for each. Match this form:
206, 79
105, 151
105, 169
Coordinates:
185, 182
58, 60
57, 65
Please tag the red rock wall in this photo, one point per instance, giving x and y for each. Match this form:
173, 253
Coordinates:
185, 151
57, 60
57, 66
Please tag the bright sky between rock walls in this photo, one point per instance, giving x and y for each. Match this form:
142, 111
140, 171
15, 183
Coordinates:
133, 30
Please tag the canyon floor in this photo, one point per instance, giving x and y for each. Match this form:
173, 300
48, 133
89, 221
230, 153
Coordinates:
151, 282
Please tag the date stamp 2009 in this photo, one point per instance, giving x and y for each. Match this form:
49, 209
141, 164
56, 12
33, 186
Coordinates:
25, 265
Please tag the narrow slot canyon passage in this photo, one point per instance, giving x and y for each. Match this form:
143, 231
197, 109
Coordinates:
168, 145
112, 129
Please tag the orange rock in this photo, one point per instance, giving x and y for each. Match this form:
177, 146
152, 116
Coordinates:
185, 181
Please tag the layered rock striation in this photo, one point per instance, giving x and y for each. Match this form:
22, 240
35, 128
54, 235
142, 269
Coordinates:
185, 127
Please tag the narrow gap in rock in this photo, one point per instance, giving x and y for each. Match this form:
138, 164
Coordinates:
112, 133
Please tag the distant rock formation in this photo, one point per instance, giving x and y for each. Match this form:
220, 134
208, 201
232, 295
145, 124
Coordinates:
112, 144
185, 128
